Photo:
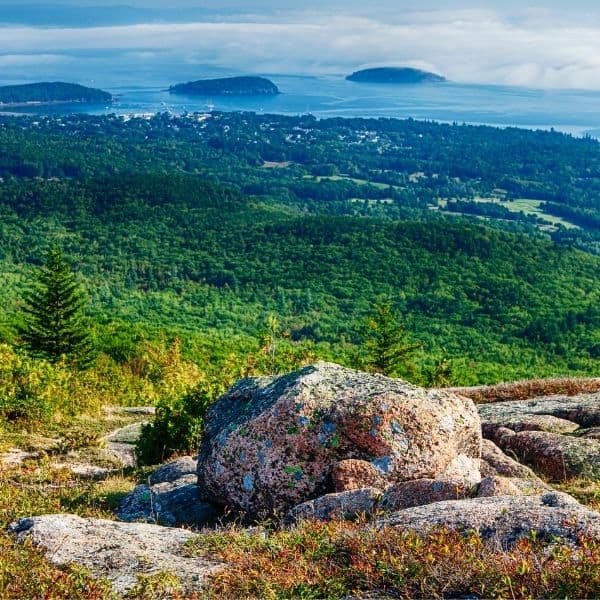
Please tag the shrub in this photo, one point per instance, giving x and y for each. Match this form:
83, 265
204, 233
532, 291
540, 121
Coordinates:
30, 389
177, 427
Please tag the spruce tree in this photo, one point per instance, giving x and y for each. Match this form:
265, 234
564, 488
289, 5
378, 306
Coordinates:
388, 344
54, 321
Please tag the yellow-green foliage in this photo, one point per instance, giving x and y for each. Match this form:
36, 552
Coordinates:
34, 391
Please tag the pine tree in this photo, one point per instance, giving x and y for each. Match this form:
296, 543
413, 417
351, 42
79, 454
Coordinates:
388, 344
54, 321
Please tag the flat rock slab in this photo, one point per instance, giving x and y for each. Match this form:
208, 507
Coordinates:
504, 519
119, 552
126, 435
136, 410
583, 410
528, 422
86, 470
174, 470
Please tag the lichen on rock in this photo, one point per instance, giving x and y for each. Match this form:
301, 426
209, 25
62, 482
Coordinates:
273, 443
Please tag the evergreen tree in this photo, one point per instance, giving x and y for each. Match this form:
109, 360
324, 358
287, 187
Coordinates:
388, 344
54, 322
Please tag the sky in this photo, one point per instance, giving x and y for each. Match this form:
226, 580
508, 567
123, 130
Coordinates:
540, 45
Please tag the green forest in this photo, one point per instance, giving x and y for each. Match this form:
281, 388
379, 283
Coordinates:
212, 246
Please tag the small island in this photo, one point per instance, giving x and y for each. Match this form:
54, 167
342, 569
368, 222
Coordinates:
228, 86
51, 93
395, 75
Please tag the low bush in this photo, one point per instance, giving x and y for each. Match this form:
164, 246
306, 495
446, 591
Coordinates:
176, 428
342, 560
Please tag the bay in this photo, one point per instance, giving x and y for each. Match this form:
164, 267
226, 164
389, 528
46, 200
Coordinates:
572, 111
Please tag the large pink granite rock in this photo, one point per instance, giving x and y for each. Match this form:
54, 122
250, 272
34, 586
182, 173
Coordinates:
272, 443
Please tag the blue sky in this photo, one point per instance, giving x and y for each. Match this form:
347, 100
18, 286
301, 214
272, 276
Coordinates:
541, 44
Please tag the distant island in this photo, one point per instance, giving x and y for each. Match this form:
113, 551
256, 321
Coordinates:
395, 75
228, 86
51, 93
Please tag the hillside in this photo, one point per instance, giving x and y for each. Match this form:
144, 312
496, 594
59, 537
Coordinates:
179, 225
229, 86
50, 93
395, 75
185, 255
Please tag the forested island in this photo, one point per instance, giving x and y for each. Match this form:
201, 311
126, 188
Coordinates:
51, 93
395, 75
228, 86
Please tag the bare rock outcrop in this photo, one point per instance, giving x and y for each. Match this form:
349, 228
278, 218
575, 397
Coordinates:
529, 422
494, 462
583, 409
272, 443
556, 456
504, 520
119, 552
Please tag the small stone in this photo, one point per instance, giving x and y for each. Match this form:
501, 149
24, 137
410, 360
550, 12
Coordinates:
495, 463
343, 506
423, 491
497, 486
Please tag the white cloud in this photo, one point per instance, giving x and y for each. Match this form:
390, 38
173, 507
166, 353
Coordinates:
531, 48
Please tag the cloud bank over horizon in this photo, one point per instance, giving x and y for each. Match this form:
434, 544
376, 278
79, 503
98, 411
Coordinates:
539, 47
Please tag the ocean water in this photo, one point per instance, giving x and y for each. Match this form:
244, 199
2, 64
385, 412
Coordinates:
571, 111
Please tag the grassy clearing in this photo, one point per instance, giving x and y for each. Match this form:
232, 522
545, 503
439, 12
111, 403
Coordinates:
529, 207
319, 178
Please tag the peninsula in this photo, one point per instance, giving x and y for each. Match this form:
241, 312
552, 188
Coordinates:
228, 86
395, 75
51, 93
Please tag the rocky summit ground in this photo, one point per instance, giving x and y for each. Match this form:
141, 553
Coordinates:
365, 487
